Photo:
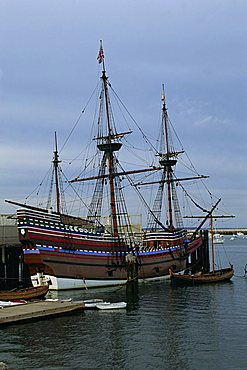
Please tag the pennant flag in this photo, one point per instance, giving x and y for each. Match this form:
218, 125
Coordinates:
100, 55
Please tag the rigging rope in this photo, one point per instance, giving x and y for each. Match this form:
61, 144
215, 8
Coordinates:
192, 200
78, 119
141, 197
135, 122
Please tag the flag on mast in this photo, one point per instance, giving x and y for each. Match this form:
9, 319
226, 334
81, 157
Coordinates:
100, 57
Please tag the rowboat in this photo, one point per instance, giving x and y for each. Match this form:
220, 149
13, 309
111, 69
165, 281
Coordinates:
26, 293
92, 303
111, 306
201, 278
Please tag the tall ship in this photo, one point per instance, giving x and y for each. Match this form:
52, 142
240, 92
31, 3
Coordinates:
97, 251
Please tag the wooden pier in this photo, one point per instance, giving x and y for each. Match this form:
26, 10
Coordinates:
38, 310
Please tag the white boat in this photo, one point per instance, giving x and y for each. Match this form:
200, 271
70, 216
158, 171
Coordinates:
218, 239
111, 306
92, 303
237, 235
11, 303
240, 234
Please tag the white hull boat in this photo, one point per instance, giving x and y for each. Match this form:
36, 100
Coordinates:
111, 306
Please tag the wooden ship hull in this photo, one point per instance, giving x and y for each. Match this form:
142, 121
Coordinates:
198, 278
26, 293
73, 257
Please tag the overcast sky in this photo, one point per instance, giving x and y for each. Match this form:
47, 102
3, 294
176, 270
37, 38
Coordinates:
48, 69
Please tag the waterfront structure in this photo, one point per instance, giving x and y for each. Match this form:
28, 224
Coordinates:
14, 273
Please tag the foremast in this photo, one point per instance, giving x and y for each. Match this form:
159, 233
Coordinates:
167, 161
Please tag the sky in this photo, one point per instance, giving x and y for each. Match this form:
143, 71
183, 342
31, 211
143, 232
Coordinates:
48, 70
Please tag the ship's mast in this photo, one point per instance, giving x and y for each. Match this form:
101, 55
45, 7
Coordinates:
212, 241
108, 142
56, 164
108, 146
167, 161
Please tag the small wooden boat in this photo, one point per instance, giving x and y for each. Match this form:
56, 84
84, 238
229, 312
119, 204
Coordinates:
25, 293
202, 277
111, 306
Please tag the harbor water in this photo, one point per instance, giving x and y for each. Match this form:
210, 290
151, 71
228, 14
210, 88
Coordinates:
163, 327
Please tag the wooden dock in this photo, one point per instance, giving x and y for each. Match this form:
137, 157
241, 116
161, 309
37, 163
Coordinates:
38, 310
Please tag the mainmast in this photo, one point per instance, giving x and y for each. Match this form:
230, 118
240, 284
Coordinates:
55, 177
166, 161
108, 145
56, 164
